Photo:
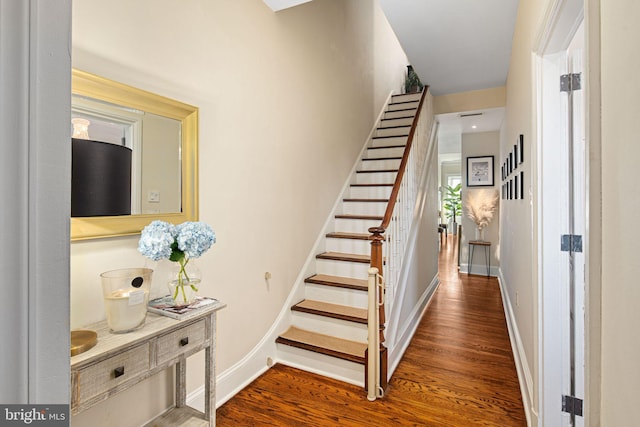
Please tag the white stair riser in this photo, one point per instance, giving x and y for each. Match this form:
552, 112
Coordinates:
401, 105
403, 121
415, 96
354, 225
388, 142
334, 295
329, 326
315, 362
378, 153
370, 165
364, 208
370, 192
399, 131
398, 114
355, 270
376, 178
350, 246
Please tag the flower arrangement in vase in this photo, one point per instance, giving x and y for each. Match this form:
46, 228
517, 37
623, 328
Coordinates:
481, 205
179, 244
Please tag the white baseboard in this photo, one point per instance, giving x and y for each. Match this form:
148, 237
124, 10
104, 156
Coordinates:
480, 270
522, 367
410, 327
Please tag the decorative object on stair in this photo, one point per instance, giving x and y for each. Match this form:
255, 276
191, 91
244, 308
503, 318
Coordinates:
481, 205
412, 83
179, 244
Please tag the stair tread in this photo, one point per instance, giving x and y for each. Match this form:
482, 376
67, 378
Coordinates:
325, 344
381, 158
378, 171
342, 256
366, 217
393, 127
372, 185
338, 281
337, 311
410, 116
390, 136
387, 146
343, 235
402, 109
366, 200
411, 101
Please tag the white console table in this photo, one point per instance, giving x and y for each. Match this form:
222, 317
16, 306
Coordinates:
119, 361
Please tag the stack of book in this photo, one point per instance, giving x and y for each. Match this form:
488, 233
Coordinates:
167, 307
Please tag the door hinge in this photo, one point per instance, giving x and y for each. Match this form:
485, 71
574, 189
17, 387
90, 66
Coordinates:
572, 405
571, 243
570, 82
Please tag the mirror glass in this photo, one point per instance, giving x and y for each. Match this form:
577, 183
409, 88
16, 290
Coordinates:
134, 158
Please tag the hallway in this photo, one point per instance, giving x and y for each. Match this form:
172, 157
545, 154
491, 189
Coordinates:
457, 371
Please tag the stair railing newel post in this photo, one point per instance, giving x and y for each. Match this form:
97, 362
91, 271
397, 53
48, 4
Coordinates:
377, 237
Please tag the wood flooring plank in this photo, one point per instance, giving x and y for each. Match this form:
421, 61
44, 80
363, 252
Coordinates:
457, 371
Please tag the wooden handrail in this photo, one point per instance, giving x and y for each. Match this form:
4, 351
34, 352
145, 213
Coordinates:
377, 232
403, 166
377, 237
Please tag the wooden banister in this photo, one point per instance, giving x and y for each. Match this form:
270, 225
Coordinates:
403, 166
377, 236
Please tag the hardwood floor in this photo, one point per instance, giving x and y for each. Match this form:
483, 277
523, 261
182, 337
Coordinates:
457, 371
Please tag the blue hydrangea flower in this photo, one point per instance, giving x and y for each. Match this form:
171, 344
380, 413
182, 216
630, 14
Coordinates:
194, 238
156, 240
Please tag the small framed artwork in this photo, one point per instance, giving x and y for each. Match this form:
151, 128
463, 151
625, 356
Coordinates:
522, 185
516, 188
511, 168
521, 148
515, 157
480, 171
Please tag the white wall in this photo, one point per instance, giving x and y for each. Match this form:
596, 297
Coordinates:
286, 101
517, 253
620, 205
613, 375
35, 170
478, 145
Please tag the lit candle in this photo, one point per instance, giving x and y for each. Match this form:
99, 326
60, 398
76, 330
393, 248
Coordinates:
126, 309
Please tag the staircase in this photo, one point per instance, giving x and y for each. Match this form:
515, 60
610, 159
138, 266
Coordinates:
329, 326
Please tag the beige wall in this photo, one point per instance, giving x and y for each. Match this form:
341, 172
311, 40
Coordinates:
286, 102
478, 145
612, 34
469, 101
620, 205
517, 252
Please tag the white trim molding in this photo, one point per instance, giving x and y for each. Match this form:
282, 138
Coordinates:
519, 356
35, 177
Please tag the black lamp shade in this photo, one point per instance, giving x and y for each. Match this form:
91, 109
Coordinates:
100, 179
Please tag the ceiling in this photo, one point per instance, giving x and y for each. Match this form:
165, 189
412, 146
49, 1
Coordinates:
457, 46
454, 46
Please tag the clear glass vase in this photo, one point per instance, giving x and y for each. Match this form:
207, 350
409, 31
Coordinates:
184, 282
479, 233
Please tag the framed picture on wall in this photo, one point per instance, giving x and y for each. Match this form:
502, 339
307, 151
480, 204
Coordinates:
521, 148
480, 171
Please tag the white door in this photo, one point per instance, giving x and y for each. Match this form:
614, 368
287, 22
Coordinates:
562, 235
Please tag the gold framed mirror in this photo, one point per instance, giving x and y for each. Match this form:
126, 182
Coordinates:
96, 89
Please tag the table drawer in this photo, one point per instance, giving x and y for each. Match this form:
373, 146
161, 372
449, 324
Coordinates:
110, 373
180, 342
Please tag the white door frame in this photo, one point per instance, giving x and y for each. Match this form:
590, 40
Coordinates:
561, 22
